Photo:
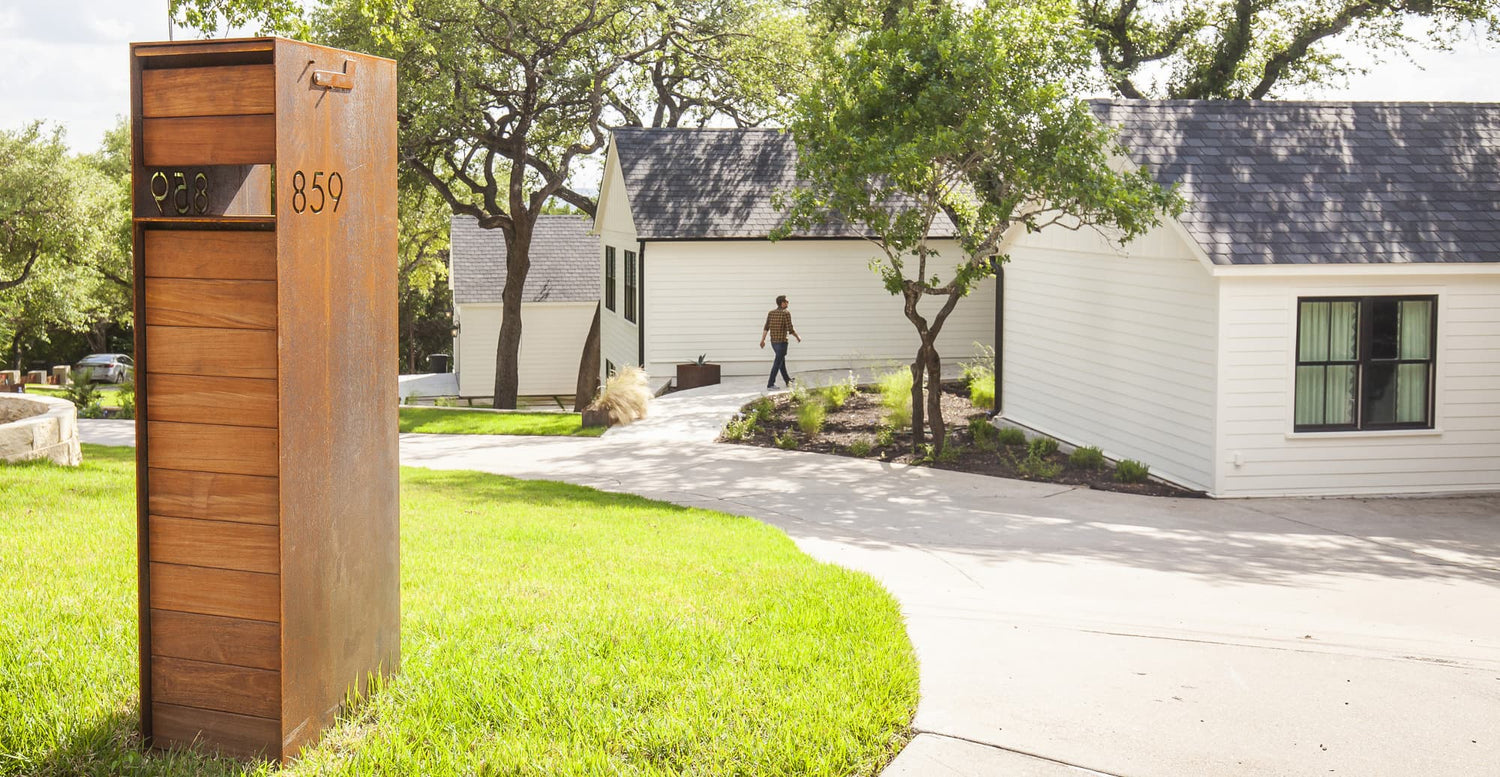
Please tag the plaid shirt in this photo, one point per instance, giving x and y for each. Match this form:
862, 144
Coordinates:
779, 324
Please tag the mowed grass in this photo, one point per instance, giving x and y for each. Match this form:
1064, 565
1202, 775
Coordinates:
547, 630
442, 420
109, 396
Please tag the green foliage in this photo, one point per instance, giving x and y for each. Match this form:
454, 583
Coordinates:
984, 434
1132, 471
885, 437
1041, 447
125, 396
740, 427
836, 394
83, 391
950, 453
1197, 49
435, 420
799, 394
895, 396
1087, 457
810, 417
1010, 435
1036, 468
786, 441
860, 448
761, 408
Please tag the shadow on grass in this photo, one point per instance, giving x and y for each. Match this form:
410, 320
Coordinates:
111, 746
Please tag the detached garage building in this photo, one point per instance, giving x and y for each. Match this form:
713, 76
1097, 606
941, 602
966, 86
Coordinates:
562, 290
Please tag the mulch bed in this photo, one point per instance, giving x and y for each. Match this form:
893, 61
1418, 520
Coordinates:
861, 419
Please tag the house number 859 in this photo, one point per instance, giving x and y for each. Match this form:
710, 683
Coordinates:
325, 188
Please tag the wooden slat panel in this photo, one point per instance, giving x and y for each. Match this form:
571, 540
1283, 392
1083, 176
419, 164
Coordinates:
202, 253
229, 401
208, 91
211, 303
237, 735
219, 544
237, 689
209, 140
229, 353
226, 592
213, 495
254, 644
235, 450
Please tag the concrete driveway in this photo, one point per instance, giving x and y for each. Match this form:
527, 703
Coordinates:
1063, 631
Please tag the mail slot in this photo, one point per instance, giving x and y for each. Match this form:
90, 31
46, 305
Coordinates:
265, 299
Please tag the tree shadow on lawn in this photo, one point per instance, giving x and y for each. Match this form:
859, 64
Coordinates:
111, 745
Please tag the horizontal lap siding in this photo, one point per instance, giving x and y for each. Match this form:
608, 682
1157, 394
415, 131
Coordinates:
712, 298
552, 338
1114, 351
1259, 336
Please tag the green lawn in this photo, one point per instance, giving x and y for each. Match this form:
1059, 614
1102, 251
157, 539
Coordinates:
547, 629
442, 420
109, 396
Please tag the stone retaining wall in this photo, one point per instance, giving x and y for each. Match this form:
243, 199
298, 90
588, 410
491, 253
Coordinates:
48, 429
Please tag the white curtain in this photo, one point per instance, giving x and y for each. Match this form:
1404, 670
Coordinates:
1329, 332
1415, 339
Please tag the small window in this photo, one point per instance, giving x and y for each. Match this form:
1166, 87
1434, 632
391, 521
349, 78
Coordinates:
1365, 363
630, 286
609, 369
609, 278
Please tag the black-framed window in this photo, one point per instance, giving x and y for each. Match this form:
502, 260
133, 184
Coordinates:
1365, 363
630, 286
609, 369
609, 277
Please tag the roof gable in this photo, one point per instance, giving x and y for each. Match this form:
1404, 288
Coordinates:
1325, 183
564, 261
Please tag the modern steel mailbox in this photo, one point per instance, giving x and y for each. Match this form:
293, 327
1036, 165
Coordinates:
265, 308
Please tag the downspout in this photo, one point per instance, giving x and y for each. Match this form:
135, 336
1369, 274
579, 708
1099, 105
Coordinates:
999, 336
640, 306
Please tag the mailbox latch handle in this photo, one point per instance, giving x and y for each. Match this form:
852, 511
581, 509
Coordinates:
334, 79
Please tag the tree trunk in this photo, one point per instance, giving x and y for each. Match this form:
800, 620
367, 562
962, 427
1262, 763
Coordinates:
918, 426
588, 368
935, 399
508, 350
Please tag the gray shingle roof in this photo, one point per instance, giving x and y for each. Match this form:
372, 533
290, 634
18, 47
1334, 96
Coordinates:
711, 183
564, 261
1323, 182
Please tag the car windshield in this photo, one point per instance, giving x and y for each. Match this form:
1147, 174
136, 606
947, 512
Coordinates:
96, 360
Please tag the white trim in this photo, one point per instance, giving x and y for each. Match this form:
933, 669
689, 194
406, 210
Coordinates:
1354, 270
524, 304
1363, 434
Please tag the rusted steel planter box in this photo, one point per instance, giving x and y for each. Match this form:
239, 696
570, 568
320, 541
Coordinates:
598, 417
265, 388
695, 375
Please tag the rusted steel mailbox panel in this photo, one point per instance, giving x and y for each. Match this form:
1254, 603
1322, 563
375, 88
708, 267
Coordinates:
265, 309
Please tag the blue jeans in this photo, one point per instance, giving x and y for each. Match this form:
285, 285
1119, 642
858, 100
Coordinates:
779, 365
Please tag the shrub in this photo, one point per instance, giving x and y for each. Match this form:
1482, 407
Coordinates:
1132, 471
445, 402
895, 396
83, 392
760, 409
1041, 447
810, 417
1037, 467
885, 437
951, 452
1087, 457
800, 394
786, 441
741, 426
979, 376
625, 396
126, 398
984, 434
860, 448
1010, 435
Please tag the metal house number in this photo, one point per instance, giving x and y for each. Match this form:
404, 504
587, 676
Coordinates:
316, 197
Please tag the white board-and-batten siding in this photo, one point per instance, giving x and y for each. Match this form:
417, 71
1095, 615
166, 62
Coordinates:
552, 340
1262, 456
619, 340
711, 298
1114, 350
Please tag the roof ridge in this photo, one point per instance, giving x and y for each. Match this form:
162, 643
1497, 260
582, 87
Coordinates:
1317, 103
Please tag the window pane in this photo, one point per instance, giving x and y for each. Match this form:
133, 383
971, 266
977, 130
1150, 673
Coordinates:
1312, 342
1343, 326
1380, 394
1416, 328
1310, 400
1411, 393
1339, 407
1385, 325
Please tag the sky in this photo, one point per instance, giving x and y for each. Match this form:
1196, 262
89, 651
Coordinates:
65, 61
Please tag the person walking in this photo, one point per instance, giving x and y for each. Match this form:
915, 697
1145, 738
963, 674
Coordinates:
778, 326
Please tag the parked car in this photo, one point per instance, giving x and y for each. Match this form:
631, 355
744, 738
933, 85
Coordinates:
106, 367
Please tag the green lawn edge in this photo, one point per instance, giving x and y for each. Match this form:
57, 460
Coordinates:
547, 629
442, 420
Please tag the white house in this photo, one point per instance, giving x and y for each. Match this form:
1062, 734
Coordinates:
561, 294
686, 269
1323, 319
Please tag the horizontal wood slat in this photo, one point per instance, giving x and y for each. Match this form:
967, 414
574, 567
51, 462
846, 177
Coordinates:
220, 544
238, 689
229, 401
244, 736
209, 140
228, 353
227, 592
208, 91
235, 450
212, 638
204, 253
214, 495
211, 303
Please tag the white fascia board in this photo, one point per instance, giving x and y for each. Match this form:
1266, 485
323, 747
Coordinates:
1382, 270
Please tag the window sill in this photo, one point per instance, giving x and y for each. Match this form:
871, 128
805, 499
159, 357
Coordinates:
1364, 434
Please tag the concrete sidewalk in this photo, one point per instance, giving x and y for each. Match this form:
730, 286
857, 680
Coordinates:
1063, 631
